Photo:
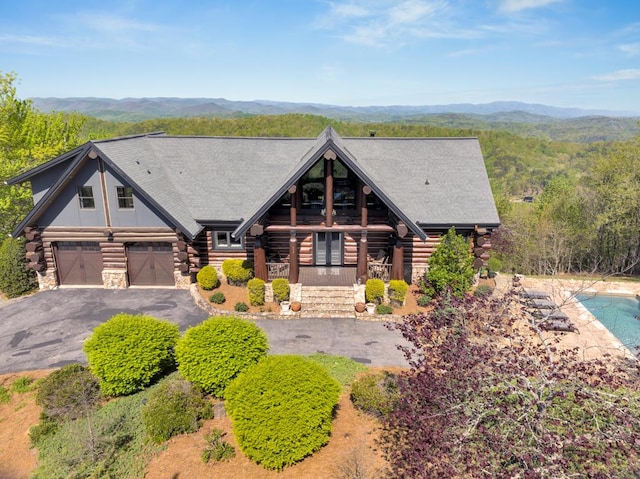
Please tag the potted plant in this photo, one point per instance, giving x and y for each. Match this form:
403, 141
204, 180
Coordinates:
371, 308
296, 306
360, 307
286, 306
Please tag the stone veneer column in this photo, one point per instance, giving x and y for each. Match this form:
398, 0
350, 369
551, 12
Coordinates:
114, 278
47, 279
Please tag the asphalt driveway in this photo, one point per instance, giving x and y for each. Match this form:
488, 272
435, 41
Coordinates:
47, 329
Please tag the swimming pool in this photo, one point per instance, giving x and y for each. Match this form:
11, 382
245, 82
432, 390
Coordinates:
618, 314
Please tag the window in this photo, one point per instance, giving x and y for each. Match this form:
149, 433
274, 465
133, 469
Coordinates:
224, 240
85, 196
125, 197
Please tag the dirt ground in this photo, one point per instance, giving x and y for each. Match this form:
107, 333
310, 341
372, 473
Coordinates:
353, 441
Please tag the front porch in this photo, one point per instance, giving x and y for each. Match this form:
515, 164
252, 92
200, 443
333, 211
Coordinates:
329, 275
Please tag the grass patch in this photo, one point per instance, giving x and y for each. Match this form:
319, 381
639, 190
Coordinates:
340, 368
5, 397
23, 384
108, 443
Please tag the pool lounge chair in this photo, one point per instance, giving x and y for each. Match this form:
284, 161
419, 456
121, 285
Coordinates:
528, 293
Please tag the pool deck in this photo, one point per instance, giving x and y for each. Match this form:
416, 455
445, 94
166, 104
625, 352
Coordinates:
593, 338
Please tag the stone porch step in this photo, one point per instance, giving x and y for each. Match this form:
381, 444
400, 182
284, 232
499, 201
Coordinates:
327, 301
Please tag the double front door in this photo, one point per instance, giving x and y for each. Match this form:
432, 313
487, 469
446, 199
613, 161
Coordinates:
328, 247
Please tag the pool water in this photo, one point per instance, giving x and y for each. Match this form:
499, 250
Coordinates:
618, 314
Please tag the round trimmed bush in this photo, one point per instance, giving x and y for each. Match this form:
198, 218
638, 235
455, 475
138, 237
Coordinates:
241, 307
217, 298
237, 271
174, 407
398, 290
212, 353
129, 351
68, 393
281, 289
256, 291
207, 278
375, 393
374, 290
282, 408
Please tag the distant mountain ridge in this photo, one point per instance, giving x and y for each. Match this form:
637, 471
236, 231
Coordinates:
137, 109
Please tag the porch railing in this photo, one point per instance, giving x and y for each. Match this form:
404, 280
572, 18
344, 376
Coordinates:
379, 271
277, 270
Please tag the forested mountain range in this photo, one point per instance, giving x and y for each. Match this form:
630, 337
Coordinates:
525, 119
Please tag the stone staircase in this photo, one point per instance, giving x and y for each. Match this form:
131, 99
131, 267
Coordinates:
327, 302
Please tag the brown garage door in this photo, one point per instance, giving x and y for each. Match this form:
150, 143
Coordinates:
78, 263
150, 264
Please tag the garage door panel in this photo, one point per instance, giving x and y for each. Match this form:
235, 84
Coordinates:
150, 264
79, 263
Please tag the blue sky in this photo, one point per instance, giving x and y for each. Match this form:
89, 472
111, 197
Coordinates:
578, 53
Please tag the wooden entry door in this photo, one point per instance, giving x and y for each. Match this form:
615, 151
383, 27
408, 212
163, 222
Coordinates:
150, 264
78, 263
328, 247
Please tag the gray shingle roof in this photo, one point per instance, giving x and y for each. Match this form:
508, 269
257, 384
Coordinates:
199, 180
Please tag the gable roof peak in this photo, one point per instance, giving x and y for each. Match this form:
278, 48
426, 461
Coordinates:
329, 134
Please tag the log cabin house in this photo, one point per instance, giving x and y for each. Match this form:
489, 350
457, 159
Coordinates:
152, 209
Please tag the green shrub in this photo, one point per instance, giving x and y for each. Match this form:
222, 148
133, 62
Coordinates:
374, 291
174, 407
217, 297
256, 291
23, 384
384, 309
217, 449
46, 427
483, 290
5, 397
451, 265
424, 299
207, 278
281, 289
398, 290
237, 271
68, 393
16, 278
375, 393
212, 353
241, 307
129, 351
281, 409
494, 264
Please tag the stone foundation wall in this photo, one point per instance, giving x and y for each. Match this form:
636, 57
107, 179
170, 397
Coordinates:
114, 278
183, 281
47, 279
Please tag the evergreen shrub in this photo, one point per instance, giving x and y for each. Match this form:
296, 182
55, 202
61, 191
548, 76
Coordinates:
68, 393
215, 351
451, 265
398, 290
281, 409
217, 297
256, 291
207, 278
375, 393
241, 307
384, 309
483, 290
130, 351
281, 289
174, 407
374, 291
237, 271
16, 278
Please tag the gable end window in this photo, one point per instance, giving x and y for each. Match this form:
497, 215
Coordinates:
125, 197
224, 240
85, 197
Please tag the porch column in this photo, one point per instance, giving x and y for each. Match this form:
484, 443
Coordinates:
362, 269
259, 259
364, 211
397, 267
294, 267
329, 156
293, 209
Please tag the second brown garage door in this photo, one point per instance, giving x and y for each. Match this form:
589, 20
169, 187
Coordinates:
150, 264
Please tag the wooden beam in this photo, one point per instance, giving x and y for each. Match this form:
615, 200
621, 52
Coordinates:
344, 228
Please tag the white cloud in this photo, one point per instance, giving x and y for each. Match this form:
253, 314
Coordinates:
29, 40
631, 49
628, 74
109, 23
518, 5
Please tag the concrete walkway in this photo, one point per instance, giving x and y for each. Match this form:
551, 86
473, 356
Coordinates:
47, 329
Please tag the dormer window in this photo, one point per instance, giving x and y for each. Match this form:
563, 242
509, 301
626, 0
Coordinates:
125, 197
85, 197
